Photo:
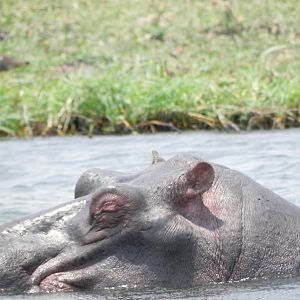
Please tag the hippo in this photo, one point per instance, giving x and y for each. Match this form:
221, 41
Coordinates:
181, 222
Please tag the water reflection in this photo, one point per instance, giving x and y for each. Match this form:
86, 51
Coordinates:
276, 289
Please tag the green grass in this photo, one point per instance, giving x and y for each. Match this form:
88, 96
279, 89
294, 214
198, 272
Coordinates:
125, 65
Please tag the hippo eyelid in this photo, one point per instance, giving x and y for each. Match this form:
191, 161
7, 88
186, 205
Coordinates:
109, 189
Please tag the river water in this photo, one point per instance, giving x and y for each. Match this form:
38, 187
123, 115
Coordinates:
40, 173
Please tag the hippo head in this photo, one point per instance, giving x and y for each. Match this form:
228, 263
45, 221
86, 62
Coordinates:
136, 230
178, 223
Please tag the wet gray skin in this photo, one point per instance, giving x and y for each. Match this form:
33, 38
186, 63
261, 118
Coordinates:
179, 223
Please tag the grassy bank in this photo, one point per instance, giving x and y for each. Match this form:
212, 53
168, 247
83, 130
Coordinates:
139, 66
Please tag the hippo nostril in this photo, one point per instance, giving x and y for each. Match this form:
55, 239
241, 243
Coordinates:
72, 258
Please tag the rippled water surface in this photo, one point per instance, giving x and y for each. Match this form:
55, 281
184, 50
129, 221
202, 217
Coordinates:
40, 173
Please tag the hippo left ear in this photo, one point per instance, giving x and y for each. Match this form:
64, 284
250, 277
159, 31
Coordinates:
156, 158
197, 180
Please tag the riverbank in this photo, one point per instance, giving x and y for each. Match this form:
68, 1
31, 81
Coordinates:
130, 66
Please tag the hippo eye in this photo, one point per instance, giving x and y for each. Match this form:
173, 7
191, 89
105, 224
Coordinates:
108, 204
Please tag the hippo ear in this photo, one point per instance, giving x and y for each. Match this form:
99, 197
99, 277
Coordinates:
156, 157
190, 203
197, 181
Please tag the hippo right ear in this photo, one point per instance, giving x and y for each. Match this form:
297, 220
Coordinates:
196, 181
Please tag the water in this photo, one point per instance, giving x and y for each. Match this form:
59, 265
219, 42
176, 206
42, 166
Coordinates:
42, 172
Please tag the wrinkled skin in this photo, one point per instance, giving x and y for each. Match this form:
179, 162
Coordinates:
179, 223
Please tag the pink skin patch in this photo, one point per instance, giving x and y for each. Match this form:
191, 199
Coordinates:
52, 284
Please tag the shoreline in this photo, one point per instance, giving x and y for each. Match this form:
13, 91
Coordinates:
235, 121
